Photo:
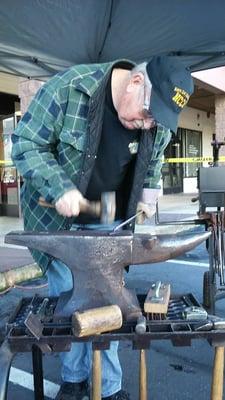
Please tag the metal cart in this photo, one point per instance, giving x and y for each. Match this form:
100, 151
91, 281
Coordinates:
211, 185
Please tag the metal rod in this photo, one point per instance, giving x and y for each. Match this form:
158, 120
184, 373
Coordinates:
127, 221
219, 249
212, 271
216, 246
222, 246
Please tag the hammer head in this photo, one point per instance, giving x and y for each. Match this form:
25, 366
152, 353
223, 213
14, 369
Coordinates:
108, 207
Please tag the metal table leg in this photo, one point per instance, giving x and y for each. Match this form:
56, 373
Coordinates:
6, 357
37, 373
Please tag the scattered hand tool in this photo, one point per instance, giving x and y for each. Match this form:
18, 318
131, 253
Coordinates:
140, 327
105, 209
96, 320
143, 390
218, 364
194, 313
96, 375
93, 322
157, 299
33, 320
217, 375
215, 323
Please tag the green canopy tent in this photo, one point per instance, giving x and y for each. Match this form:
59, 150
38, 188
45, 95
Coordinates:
41, 37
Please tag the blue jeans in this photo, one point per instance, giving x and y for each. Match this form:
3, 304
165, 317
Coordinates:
77, 364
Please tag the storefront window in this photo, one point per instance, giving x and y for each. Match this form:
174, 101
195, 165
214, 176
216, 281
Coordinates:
9, 192
192, 148
172, 172
186, 143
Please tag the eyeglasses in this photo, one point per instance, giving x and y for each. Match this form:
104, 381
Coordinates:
146, 111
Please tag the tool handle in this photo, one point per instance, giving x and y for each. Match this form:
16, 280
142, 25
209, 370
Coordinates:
42, 308
90, 207
157, 288
96, 375
143, 392
217, 375
44, 203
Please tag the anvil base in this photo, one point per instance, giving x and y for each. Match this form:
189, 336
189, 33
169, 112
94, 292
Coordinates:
71, 301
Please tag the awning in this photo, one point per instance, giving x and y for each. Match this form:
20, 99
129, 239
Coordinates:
41, 37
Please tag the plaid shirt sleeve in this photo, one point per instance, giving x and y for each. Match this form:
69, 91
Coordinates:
153, 175
34, 141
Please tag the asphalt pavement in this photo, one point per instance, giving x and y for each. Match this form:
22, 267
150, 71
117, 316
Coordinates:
178, 373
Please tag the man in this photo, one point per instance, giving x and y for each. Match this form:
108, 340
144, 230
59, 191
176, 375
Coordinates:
92, 129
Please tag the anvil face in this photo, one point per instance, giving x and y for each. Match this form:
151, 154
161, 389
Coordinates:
97, 260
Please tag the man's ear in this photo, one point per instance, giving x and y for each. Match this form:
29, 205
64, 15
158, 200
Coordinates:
136, 79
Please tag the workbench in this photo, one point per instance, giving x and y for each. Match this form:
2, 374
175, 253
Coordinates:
58, 337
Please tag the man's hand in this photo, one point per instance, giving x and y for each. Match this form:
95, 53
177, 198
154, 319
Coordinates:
148, 210
69, 204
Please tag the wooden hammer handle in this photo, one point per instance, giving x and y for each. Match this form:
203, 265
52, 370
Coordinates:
143, 392
96, 375
44, 203
90, 207
218, 374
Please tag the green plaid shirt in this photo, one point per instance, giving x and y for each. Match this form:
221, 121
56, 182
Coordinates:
50, 143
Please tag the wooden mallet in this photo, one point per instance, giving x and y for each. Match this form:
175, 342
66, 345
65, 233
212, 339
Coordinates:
94, 322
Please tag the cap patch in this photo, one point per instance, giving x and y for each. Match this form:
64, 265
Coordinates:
181, 97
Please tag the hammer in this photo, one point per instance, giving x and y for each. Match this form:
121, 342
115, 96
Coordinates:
94, 322
105, 209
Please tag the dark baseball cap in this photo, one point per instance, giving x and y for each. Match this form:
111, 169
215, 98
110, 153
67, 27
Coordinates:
172, 86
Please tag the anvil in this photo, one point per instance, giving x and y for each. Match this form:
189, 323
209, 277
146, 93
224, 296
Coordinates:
97, 259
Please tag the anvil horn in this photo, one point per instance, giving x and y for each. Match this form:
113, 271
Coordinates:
165, 247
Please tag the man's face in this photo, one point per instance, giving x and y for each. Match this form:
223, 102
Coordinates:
131, 108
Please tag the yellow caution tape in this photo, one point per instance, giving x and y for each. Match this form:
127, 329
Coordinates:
6, 162
191, 159
166, 160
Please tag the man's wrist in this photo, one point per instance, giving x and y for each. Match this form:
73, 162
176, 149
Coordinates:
150, 196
